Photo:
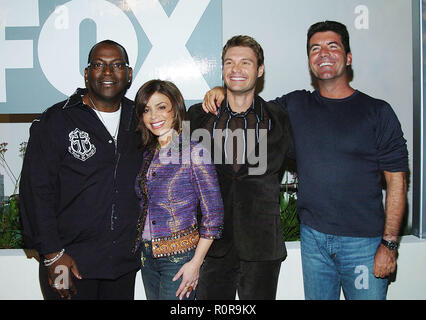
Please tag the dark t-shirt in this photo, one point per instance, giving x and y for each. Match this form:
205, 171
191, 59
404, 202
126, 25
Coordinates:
342, 146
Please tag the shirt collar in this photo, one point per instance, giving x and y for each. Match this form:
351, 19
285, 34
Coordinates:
256, 107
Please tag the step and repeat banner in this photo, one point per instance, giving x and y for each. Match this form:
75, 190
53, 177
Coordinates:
44, 46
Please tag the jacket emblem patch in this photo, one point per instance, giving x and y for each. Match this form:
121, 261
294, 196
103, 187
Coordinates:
81, 147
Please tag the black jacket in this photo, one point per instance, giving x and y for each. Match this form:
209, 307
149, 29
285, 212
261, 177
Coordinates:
252, 205
77, 189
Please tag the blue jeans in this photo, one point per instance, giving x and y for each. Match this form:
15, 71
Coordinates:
157, 274
332, 262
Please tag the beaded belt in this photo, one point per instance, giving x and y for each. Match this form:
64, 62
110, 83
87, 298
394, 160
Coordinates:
181, 242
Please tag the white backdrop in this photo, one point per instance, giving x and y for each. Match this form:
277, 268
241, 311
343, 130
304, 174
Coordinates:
381, 43
380, 38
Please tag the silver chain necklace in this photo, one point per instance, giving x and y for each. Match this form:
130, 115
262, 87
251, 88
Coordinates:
103, 121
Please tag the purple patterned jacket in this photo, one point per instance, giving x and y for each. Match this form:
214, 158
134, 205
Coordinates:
175, 190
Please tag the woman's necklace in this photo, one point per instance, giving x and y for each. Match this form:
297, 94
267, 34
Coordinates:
114, 136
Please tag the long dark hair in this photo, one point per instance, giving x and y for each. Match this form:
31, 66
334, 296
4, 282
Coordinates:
145, 93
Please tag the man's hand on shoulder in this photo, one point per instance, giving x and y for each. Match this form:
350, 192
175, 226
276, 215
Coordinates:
213, 99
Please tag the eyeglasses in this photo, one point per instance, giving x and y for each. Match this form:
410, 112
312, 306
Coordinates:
114, 66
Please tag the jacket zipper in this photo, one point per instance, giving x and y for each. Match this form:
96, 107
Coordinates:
115, 178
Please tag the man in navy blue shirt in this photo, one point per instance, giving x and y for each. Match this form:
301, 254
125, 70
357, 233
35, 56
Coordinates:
79, 209
344, 142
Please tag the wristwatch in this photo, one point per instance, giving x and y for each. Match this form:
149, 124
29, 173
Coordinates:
391, 244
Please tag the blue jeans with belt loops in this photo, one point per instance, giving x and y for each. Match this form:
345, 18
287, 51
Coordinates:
157, 274
331, 263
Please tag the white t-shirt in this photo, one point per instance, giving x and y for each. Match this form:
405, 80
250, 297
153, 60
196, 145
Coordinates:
111, 121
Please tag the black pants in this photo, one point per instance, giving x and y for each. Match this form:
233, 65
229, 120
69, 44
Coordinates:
122, 288
221, 278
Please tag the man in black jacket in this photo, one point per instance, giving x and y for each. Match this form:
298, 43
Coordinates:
78, 204
248, 257
345, 141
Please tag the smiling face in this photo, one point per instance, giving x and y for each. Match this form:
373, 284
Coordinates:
327, 57
107, 85
240, 70
159, 116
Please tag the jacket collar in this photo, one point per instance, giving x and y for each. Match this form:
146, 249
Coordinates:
127, 107
75, 99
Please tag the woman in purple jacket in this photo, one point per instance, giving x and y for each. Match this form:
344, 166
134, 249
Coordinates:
176, 178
